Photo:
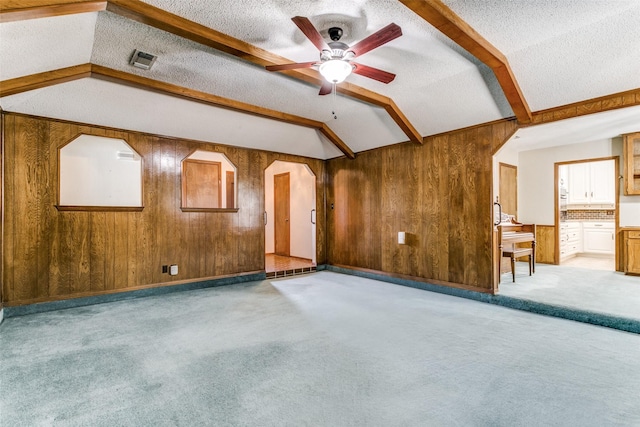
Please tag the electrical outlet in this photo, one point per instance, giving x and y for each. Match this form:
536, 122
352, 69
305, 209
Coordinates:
173, 270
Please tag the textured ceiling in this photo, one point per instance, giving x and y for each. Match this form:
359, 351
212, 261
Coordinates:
594, 127
561, 51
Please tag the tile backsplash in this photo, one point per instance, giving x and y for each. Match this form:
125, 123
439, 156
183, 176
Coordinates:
591, 215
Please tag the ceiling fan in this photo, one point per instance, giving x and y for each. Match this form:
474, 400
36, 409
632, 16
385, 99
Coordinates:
336, 57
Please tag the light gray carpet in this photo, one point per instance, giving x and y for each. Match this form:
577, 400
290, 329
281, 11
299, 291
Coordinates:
600, 291
318, 350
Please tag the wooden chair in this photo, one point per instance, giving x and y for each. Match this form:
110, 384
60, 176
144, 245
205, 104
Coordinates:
515, 253
510, 250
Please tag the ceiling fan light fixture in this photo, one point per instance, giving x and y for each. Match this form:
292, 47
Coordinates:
335, 70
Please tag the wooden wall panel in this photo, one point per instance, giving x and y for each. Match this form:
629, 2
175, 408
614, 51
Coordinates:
354, 201
545, 243
440, 193
52, 255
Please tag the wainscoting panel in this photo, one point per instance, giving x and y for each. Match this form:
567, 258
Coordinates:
545, 243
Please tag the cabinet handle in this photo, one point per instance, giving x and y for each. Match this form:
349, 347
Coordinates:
585, 194
592, 194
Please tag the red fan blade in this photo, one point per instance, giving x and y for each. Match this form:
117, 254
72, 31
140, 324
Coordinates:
373, 73
292, 66
388, 33
310, 31
326, 88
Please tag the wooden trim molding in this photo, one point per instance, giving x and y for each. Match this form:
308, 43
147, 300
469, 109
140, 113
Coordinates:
63, 208
40, 80
222, 210
335, 139
62, 75
451, 25
590, 106
109, 74
22, 13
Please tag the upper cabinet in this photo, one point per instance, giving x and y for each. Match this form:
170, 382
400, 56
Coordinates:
631, 163
592, 183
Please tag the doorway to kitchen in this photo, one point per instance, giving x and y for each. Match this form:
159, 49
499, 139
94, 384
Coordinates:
290, 219
586, 213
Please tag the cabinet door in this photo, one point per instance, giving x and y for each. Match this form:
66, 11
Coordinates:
578, 183
632, 163
633, 256
599, 241
602, 180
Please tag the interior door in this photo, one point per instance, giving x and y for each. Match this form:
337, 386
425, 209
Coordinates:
201, 184
281, 201
509, 189
508, 198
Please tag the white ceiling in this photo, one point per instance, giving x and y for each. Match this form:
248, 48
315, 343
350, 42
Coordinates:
561, 51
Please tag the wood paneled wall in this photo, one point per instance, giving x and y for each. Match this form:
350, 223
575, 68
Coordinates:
545, 244
50, 255
439, 193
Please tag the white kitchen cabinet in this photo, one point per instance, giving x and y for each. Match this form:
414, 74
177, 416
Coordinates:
599, 237
603, 184
570, 239
592, 183
579, 183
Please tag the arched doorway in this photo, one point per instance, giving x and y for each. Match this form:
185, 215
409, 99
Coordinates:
290, 226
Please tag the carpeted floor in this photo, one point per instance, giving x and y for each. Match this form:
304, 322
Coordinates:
322, 349
600, 291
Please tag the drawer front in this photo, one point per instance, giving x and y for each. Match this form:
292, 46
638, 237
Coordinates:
633, 234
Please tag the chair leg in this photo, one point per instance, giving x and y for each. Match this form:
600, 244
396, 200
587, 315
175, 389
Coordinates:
530, 264
513, 267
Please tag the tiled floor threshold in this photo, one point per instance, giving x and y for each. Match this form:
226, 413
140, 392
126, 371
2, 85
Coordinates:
291, 272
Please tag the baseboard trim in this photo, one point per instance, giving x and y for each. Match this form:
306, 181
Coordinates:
23, 310
563, 312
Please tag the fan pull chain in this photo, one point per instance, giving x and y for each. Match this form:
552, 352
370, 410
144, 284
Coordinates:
333, 112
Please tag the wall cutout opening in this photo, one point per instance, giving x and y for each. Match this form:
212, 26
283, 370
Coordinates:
99, 173
208, 182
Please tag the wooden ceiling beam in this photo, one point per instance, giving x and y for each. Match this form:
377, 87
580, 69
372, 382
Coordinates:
122, 77
23, 10
451, 25
40, 80
50, 78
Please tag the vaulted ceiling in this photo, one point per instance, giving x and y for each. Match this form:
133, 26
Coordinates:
458, 64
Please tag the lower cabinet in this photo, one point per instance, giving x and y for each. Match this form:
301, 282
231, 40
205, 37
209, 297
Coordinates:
570, 239
632, 252
598, 238
587, 238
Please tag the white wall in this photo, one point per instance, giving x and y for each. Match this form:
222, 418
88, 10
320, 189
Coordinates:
91, 174
303, 200
536, 180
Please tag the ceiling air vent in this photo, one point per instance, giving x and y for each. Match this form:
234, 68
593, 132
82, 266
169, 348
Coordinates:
142, 59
